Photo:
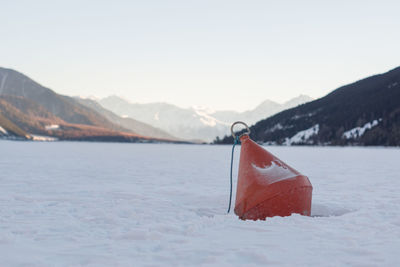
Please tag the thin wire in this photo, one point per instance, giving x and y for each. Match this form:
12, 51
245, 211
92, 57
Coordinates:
230, 193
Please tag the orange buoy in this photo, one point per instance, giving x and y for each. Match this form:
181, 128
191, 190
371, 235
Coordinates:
267, 186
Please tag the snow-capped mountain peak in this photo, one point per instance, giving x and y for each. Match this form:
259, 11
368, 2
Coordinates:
196, 122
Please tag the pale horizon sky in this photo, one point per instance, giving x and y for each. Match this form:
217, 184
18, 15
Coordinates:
220, 54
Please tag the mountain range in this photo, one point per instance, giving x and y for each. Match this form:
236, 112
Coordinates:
366, 112
30, 110
195, 123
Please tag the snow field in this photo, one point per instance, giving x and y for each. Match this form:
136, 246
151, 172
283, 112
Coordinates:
100, 204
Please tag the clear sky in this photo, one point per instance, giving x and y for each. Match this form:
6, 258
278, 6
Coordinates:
222, 54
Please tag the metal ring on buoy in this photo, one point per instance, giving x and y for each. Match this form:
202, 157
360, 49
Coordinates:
240, 122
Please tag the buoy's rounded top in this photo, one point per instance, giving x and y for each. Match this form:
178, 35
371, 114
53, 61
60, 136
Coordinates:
240, 122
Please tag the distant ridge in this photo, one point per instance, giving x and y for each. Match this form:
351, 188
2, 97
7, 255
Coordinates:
196, 122
127, 123
366, 112
263, 110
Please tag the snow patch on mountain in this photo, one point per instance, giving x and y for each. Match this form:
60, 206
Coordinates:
203, 109
3, 81
297, 116
359, 131
303, 136
52, 127
205, 115
206, 119
3, 131
157, 116
43, 138
277, 126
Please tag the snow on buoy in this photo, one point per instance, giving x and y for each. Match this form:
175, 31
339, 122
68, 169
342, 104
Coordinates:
267, 186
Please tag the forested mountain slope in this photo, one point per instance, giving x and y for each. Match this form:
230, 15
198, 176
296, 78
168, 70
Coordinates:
366, 112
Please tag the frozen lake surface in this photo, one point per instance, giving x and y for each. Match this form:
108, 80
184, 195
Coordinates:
107, 204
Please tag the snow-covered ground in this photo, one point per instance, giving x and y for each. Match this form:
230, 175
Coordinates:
99, 204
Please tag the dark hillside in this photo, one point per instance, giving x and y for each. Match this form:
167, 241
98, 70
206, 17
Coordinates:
366, 112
